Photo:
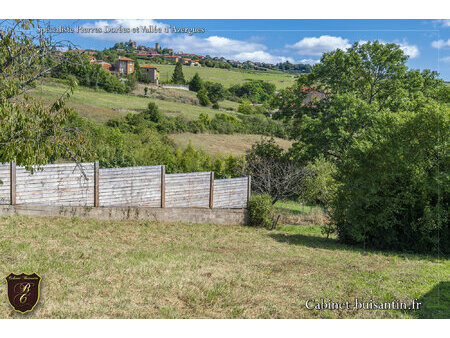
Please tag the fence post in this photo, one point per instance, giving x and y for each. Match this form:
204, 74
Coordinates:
249, 188
12, 183
211, 190
163, 186
96, 184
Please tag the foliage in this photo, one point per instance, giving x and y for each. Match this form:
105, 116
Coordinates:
178, 76
319, 187
394, 191
203, 98
91, 75
216, 91
196, 83
245, 107
256, 91
31, 133
261, 211
355, 86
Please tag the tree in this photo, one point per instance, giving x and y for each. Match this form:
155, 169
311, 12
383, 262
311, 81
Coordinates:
32, 133
273, 172
178, 76
216, 92
203, 98
352, 87
196, 83
246, 107
394, 189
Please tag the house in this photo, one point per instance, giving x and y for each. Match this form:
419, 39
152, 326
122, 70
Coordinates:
124, 65
172, 58
151, 73
92, 59
105, 65
194, 63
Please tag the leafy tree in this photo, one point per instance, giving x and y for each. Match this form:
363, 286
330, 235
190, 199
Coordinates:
178, 76
246, 107
216, 92
32, 133
352, 87
394, 184
152, 113
196, 83
202, 96
319, 187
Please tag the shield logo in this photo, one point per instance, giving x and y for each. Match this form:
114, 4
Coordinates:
23, 291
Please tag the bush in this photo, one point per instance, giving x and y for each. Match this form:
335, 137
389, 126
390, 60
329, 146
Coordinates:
394, 191
203, 98
261, 211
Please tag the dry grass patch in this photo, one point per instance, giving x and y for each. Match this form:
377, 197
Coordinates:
236, 144
105, 269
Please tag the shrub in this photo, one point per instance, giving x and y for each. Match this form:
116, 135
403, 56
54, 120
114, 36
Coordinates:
203, 98
261, 211
394, 191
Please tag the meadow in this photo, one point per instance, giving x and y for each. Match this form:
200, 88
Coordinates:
102, 106
227, 77
142, 269
236, 144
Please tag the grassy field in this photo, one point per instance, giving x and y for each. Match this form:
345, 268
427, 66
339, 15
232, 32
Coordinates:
235, 144
130, 269
228, 77
102, 106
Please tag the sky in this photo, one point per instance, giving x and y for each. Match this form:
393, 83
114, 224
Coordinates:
427, 42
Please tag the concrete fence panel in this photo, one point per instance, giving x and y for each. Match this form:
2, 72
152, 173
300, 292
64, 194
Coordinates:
56, 184
189, 190
137, 186
230, 193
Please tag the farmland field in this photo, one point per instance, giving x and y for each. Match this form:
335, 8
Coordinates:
227, 77
235, 144
102, 106
141, 269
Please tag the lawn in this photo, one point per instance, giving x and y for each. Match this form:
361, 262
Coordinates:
102, 106
131, 269
236, 144
228, 77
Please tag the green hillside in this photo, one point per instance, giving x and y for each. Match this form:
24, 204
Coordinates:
102, 106
227, 77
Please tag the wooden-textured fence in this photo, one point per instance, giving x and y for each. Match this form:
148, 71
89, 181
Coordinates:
85, 184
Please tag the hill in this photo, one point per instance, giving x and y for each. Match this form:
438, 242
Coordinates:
227, 77
102, 106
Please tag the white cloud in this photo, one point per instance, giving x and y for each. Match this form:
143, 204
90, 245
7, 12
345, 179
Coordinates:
261, 56
446, 59
213, 45
441, 44
411, 50
309, 61
317, 46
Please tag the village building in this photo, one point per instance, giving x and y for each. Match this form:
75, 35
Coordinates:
124, 65
105, 65
150, 72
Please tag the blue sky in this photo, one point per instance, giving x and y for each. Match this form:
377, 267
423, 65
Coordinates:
427, 42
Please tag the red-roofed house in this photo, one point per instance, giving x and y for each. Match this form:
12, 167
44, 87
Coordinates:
151, 73
124, 65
